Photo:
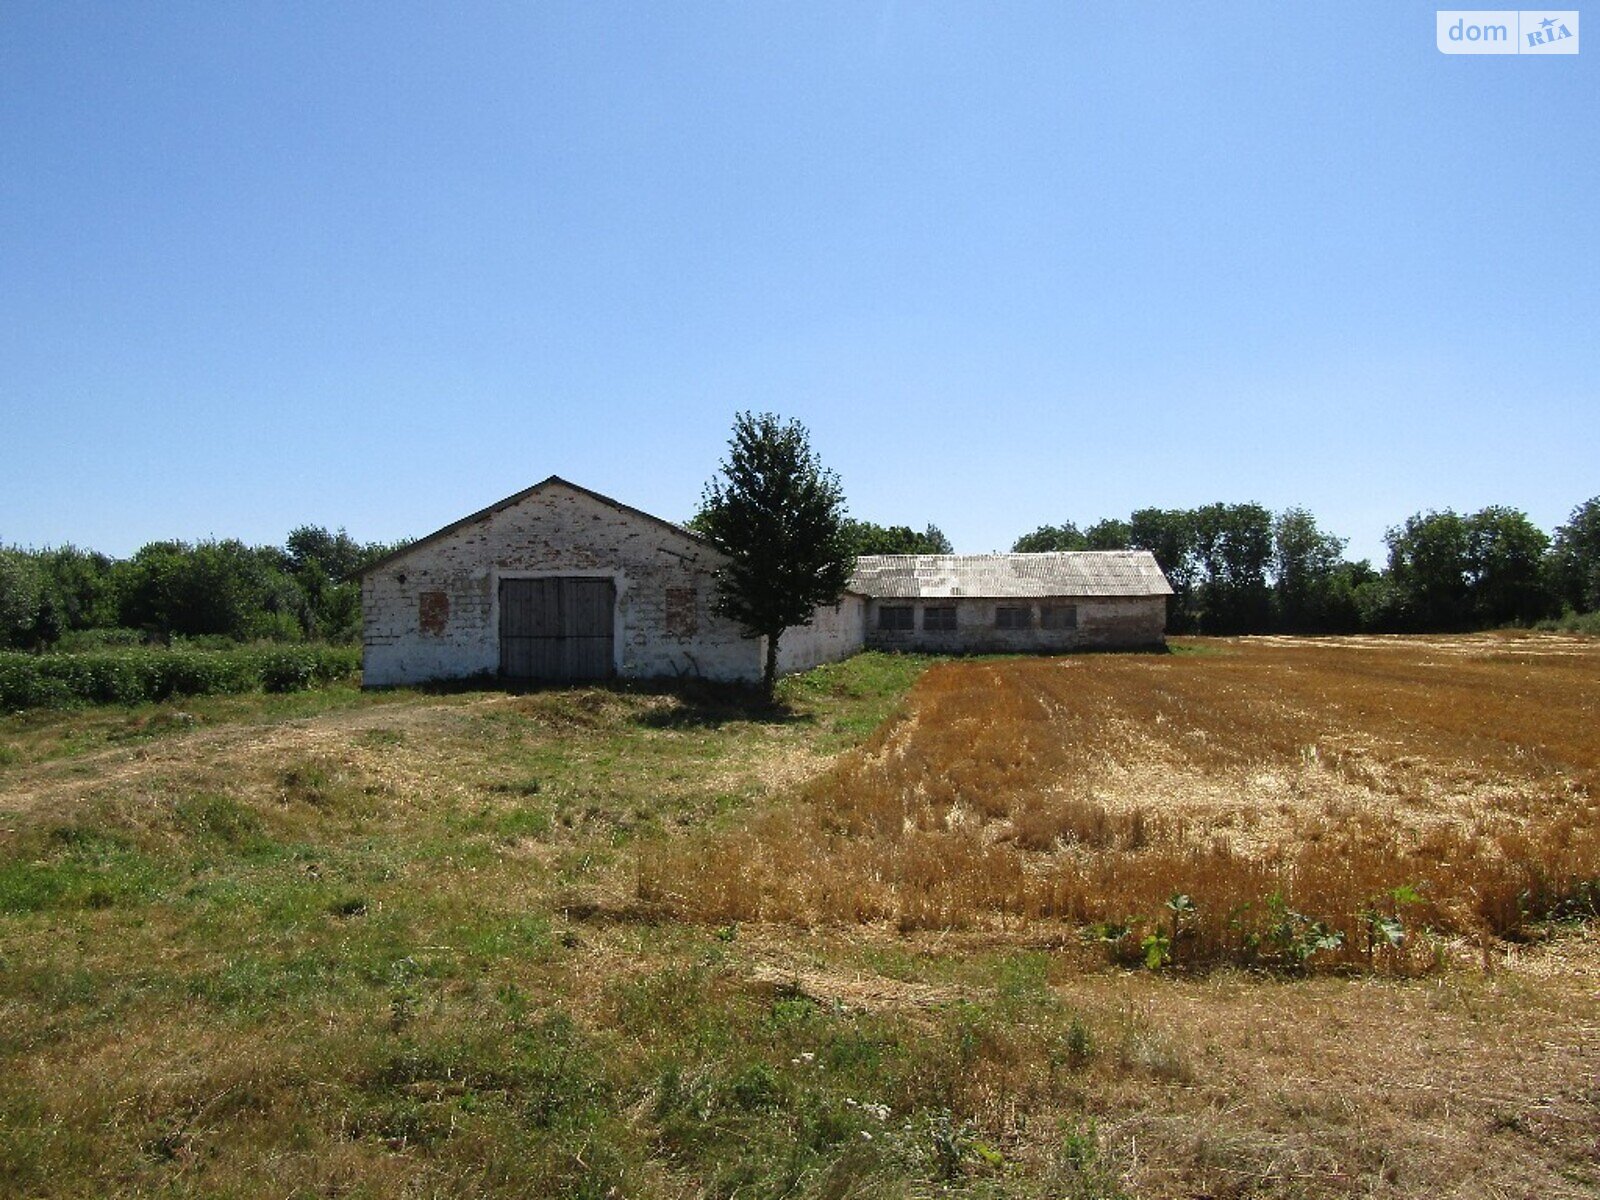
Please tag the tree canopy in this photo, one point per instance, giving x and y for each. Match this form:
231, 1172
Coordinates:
1575, 569
865, 537
779, 517
212, 589
1240, 568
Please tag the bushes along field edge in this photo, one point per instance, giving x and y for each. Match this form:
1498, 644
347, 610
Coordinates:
138, 676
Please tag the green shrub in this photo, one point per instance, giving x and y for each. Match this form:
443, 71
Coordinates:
203, 673
140, 675
24, 685
274, 627
1572, 622
78, 640
295, 668
203, 641
286, 670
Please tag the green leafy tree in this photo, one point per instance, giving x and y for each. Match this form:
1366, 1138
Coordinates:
326, 568
1340, 606
1108, 534
1305, 565
338, 554
79, 590
1169, 534
1575, 558
1233, 547
1065, 536
779, 517
214, 588
934, 541
1457, 572
866, 537
1505, 559
21, 590
1428, 563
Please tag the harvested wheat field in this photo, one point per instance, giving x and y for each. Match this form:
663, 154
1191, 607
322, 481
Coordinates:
1367, 785
1257, 918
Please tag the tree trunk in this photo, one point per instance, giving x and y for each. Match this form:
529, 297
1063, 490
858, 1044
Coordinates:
769, 677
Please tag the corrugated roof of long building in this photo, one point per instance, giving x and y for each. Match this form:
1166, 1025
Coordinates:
1095, 573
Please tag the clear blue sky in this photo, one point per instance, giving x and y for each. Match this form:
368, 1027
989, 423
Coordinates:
379, 265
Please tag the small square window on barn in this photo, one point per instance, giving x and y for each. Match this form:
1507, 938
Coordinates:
1058, 616
433, 612
680, 618
897, 618
939, 618
1008, 616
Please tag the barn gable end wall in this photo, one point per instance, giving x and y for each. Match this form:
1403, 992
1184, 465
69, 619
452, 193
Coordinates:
554, 531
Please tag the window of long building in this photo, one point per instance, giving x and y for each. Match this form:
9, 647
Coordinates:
896, 618
1010, 616
1058, 616
939, 618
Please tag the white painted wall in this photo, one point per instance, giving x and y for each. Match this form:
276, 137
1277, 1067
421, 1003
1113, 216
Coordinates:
836, 632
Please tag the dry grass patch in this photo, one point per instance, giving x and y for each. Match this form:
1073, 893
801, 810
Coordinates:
1310, 799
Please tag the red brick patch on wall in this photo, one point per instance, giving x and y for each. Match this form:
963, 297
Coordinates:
433, 612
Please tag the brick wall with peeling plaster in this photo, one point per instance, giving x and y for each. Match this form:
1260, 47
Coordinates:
434, 612
835, 633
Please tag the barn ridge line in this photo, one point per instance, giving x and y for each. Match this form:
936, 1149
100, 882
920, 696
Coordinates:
517, 498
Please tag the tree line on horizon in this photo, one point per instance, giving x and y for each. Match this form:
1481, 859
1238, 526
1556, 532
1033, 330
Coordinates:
305, 590
1241, 568
1234, 568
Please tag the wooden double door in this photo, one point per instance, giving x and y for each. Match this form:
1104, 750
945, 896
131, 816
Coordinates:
556, 629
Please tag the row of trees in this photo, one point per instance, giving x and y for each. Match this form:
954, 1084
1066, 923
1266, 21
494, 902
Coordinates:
865, 537
780, 516
305, 589
1240, 568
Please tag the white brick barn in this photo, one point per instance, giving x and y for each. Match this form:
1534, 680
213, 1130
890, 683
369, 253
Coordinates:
559, 583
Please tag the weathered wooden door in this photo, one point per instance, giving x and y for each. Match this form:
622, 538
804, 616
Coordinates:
556, 629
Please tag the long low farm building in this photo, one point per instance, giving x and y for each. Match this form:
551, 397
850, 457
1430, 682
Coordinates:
1017, 603
560, 583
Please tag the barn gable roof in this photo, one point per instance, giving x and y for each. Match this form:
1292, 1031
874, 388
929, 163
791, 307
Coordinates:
1087, 573
518, 498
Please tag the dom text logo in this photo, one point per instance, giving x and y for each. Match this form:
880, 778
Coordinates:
1506, 31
